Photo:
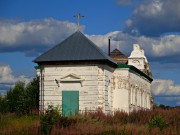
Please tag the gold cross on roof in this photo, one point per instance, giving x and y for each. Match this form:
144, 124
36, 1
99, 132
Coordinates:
78, 16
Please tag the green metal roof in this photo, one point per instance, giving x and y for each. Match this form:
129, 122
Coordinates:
135, 70
123, 66
37, 67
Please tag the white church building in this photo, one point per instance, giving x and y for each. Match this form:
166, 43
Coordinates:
78, 76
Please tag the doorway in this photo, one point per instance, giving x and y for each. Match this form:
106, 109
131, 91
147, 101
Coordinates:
70, 103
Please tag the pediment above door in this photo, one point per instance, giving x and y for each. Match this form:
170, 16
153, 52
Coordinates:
70, 78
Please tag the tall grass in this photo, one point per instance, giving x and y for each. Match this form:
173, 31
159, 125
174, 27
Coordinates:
12, 124
135, 123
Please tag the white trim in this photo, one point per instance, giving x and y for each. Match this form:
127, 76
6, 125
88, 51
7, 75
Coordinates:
63, 79
73, 75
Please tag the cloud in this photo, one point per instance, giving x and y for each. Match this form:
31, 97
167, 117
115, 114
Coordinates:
7, 79
154, 17
166, 92
165, 87
178, 103
34, 36
102, 40
6, 74
163, 49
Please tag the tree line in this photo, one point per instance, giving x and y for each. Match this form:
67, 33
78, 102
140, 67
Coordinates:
21, 99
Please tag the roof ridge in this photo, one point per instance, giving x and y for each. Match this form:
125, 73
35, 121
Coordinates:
98, 49
59, 44
119, 52
90, 50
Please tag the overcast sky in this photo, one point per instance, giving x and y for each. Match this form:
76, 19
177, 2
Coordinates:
29, 28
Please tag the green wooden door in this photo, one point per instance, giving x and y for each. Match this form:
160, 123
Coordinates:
70, 102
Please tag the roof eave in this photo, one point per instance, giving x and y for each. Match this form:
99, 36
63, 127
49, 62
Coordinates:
102, 61
141, 73
135, 70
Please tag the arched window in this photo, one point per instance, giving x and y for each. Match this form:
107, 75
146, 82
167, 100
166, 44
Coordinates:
145, 99
134, 95
131, 95
140, 97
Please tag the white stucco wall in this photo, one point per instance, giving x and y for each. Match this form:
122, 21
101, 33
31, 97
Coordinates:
141, 90
108, 72
121, 90
131, 91
99, 86
137, 62
137, 57
94, 89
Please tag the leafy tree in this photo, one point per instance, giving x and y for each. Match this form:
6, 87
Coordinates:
15, 97
161, 106
21, 99
3, 105
158, 122
48, 119
32, 94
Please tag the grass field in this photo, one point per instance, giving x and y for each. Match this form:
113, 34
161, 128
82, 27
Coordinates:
154, 122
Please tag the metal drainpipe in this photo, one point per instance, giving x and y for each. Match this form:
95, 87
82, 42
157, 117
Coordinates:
41, 89
109, 47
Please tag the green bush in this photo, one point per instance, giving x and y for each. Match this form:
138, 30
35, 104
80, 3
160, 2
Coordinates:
48, 119
22, 99
3, 105
66, 121
157, 121
16, 98
32, 94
